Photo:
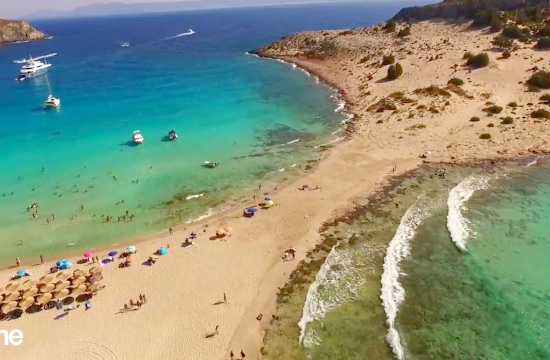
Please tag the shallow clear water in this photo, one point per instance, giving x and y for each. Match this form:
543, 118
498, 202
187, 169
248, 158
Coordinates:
226, 106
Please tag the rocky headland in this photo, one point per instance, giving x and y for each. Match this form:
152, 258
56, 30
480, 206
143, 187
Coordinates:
12, 31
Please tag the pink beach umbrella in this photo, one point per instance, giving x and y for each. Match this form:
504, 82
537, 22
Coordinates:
88, 255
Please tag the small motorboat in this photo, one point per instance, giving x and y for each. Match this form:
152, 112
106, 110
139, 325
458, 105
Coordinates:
52, 102
210, 164
125, 44
137, 138
172, 135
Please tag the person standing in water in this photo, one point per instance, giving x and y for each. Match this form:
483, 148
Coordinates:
41, 260
171, 231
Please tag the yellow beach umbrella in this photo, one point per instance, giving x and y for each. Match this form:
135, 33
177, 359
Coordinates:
78, 280
6, 308
43, 298
31, 292
60, 285
64, 275
78, 290
61, 294
47, 288
26, 302
94, 270
12, 296
28, 284
78, 273
12, 286
45, 279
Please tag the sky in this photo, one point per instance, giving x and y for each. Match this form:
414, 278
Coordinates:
12, 9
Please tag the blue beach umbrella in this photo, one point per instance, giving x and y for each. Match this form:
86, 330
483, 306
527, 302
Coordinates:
21, 273
251, 210
60, 263
68, 264
113, 253
163, 250
267, 199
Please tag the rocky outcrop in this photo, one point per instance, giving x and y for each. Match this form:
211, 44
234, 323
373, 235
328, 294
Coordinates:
13, 31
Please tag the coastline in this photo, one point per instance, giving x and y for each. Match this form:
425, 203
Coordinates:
351, 174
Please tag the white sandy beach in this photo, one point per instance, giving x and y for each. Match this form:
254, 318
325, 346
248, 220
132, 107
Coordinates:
183, 285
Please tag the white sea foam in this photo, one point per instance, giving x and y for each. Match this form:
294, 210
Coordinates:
251, 54
341, 106
457, 224
330, 142
189, 197
208, 213
292, 142
336, 283
281, 170
393, 293
337, 131
534, 162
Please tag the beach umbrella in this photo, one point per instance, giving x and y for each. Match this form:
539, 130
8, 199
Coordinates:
43, 298
251, 210
78, 290
21, 273
46, 279
95, 270
60, 263
228, 229
6, 308
68, 264
95, 278
60, 285
79, 272
88, 255
220, 232
47, 288
64, 275
12, 286
113, 253
78, 280
163, 250
61, 294
267, 199
12, 296
28, 284
26, 302
30, 292
131, 249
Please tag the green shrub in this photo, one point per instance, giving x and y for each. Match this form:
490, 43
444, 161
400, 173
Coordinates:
388, 59
485, 136
507, 120
513, 104
514, 32
404, 32
543, 43
474, 119
502, 42
390, 25
496, 24
394, 71
467, 55
545, 31
478, 61
494, 109
541, 114
540, 79
456, 81
399, 69
545, 98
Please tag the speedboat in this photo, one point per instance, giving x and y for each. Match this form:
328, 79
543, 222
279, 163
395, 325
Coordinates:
210, 164
190, 32
125, 45
52, 102
137, 138
33, 67
172, 135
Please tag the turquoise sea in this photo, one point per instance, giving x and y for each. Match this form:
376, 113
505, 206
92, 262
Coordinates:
243, 112
451, 263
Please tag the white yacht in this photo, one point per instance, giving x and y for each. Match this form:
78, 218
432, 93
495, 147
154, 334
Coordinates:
137, 138
33, 66
52, 102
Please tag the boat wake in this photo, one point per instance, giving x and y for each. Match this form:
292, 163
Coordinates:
190, 32
393, 293
457, 224
336, 283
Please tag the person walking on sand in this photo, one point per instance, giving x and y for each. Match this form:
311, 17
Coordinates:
231, 355
171, 231
243, 355
144, 299
18, 262
224, 298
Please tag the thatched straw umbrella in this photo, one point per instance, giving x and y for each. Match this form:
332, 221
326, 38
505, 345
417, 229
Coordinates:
47, 288
78, 290
26, 302
60, 285
93, 287
61, 294
30, 292
46, 279
12, 286
94, 279
220, 232
6, 308
78, 280
43, 298
228, 229
79, 272
28, 284
94, 270
12, 296
129, 258
64, 275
